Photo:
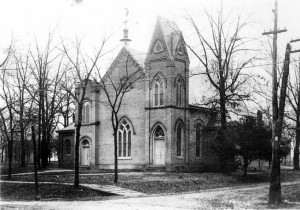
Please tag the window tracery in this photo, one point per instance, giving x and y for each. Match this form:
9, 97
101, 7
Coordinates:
124, 139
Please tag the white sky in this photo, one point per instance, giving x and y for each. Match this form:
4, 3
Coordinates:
91, 18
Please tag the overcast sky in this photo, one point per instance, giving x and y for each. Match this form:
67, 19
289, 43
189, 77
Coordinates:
91, 18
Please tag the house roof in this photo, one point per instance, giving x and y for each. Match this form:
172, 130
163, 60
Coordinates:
196, 107
69, 128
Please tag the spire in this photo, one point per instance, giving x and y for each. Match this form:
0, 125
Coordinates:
125, 30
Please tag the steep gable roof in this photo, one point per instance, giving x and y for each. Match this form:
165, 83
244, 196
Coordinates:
167, 31
135, 55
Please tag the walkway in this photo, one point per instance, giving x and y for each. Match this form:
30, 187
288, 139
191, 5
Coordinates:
41, 172
115, 190
104, 188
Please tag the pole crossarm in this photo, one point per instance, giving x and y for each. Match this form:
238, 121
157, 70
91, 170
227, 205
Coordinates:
295, 51
295, 40
275, 32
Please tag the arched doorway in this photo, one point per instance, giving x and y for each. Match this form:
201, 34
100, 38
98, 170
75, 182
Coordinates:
159, 145
85, 153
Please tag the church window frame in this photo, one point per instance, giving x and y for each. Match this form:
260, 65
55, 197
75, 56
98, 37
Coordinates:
158, 93
180, 49
199, 139
86, 113
179, 140
180, 93
67, 147
124, 140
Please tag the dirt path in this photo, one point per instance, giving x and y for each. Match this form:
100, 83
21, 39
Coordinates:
223, 198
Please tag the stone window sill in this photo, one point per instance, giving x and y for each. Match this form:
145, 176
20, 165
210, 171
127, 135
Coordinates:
124, 158
179, 157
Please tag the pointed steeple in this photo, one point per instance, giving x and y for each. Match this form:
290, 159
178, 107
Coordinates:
166, 40
125, 38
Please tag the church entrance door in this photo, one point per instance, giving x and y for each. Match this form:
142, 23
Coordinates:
85, 153
159, 145
159, 152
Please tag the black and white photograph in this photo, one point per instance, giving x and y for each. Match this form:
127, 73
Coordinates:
149, 104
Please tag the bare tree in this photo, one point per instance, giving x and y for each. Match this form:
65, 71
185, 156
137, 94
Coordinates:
81, 68
222, 54
7, 115
47, 68
21, 81
66, 109
115, 84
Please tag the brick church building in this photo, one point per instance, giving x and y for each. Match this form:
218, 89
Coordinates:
157, 127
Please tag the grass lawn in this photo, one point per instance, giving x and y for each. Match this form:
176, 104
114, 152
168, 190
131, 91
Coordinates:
25, 191
156, 183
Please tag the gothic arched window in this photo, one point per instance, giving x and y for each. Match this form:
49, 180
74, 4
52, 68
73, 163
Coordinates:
198, 139
124, 139
179, 93
159, 132
68, 147
179, 139
180, 49
158, 92
86, 113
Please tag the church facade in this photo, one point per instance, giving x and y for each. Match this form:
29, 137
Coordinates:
157, 125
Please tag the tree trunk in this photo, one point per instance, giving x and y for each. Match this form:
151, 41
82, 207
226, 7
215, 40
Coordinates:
116, 156
2, 154
223, 156
39, 136
22, 132
10, 157
35, 162
296, 148
245, 166
275, 185
44, 152
76, 178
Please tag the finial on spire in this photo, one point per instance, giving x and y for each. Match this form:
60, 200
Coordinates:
125, 30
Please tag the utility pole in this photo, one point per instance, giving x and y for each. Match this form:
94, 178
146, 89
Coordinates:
275, 185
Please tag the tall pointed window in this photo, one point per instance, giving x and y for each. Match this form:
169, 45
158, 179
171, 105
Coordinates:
156, 94
68, 147
161, 93
179, 139
198, 140
158, 97
179, 92
86, 113
124, 139
180, 49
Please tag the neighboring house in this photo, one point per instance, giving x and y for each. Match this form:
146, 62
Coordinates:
158, 127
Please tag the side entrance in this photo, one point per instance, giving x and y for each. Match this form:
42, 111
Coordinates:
159, 145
